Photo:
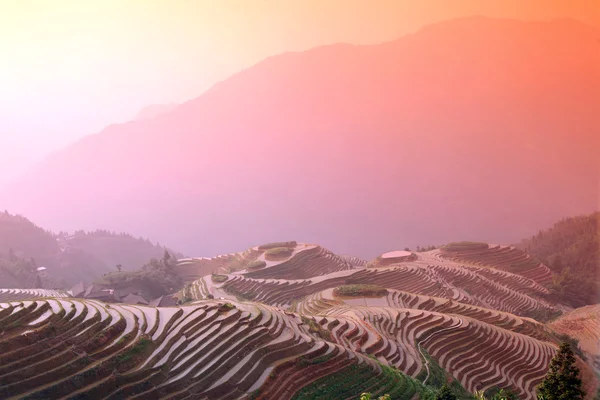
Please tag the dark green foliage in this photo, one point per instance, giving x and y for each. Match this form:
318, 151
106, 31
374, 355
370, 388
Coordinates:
425, 248
186, 299
278, 251
140, 347
562, 381
369, 396
155, 279
303, 362
439, 377
361, 290
267, 246
241, 296
543, 315
356, 379
445, 393
228, 306
571, 248
258, 264
464, 246
504, 395
574, 344
219, 278
575, 290
500, 394
316, 329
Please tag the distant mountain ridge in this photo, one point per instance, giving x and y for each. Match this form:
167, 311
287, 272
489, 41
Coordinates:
462, 130
571, 247
69, 259
154, 110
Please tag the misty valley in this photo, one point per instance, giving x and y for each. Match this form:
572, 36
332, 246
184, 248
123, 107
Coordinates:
414, 214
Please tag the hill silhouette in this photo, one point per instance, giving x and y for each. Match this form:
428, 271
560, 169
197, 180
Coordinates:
69, 259
571, 247
464, 129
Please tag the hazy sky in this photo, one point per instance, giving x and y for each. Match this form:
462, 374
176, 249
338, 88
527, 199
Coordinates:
69, 68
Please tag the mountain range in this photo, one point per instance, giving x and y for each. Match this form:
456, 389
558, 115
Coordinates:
471, 128
66, 258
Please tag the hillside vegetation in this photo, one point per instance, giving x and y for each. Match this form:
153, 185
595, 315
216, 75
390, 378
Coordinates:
69, 259
116, 248
156, 278
23, 238
571, 248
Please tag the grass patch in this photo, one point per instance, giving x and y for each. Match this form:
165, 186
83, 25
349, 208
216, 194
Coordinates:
317, 329
219, 278
465, 246
439, 377
278, 253
274, 245
227, 306
360, 290
493, 391
355, 379
258, 264
545, 315
141, 347
241, 296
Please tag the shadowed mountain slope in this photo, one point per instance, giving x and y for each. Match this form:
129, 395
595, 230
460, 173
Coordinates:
464, 129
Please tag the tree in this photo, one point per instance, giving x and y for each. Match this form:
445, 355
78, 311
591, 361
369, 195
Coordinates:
367, 396
562, 381
119, 267
501, 395
504, 394
445, 393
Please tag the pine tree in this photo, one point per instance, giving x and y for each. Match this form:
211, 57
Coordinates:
562, 381
445, 393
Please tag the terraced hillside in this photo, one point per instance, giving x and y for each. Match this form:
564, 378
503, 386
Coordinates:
493, 289
322, 303
85, 349
293, 261
583, 324
191, 269
478, 355
28, 294
288, 320
506, 258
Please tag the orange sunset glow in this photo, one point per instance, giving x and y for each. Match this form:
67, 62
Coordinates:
300, 199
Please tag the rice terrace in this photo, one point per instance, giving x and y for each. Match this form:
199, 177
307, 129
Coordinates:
306, 324
300, 200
